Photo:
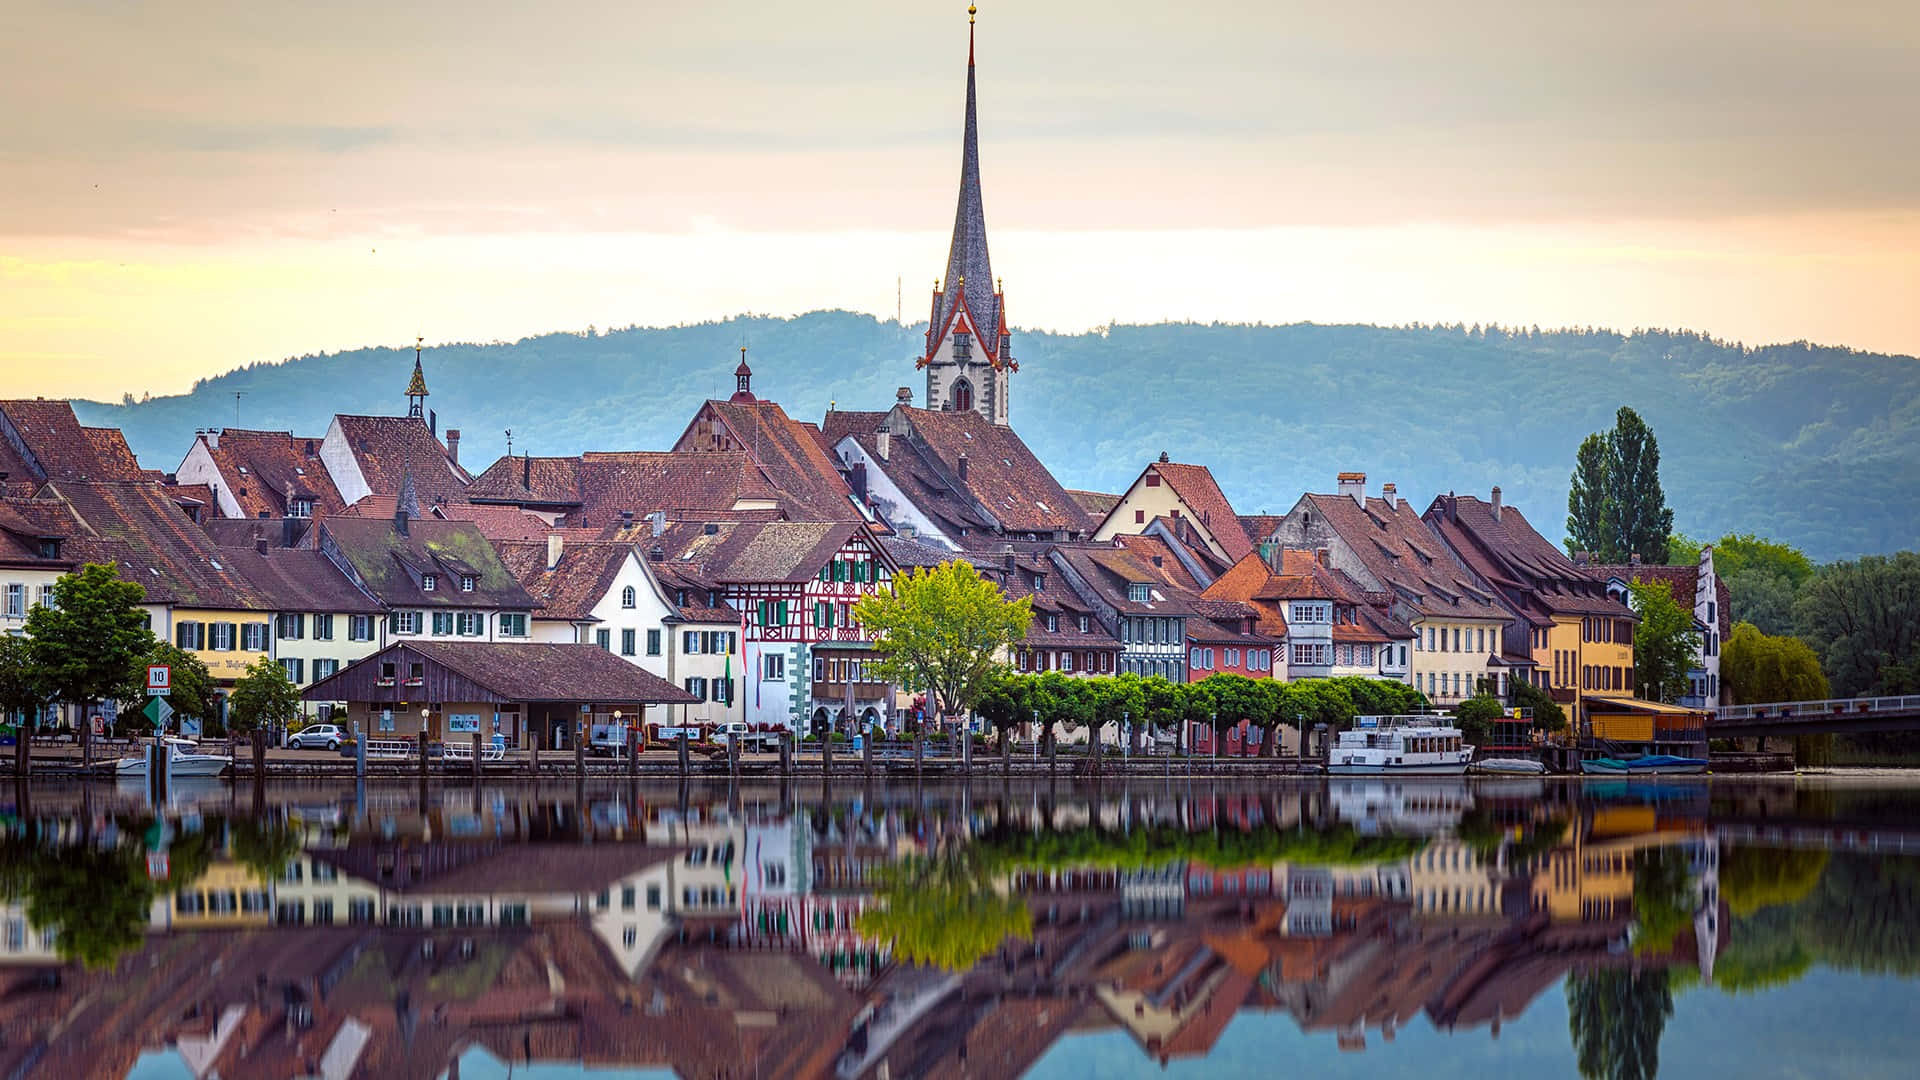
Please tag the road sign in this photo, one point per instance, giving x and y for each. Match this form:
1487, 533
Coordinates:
159, 679
159, 712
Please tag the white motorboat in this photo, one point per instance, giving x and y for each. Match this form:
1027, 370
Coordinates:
187, 761
1509, 766
1400, 746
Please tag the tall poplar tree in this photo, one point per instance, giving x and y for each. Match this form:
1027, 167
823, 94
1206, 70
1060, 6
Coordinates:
1587, 499
1637, 517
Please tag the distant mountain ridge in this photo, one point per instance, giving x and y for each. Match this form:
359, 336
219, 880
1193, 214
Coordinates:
1818, 446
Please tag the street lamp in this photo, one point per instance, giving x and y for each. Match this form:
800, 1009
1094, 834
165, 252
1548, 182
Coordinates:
1036, 736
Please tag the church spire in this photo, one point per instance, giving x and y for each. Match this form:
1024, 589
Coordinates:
417, 386
969, 279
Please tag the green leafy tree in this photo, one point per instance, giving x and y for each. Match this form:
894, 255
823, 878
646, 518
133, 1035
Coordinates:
1753, 878
1547, 713
1165, 705
1587, 499
942, 911
1662, 899
1237, 698
1116, 699
1308, 703
21, 697
1615, 506
263, 698
1664, 642
192, 694
97, 900
1476, 716
940, 629
1757, 668
1065, 703
1763, 577
1863, 620
92, 637
1616, 1019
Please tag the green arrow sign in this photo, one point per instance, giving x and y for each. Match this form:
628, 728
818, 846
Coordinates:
159, 712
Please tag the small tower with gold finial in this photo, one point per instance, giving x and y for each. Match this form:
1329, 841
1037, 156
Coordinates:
417, 386
742, 380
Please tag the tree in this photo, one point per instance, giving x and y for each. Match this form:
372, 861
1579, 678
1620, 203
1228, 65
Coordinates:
1236, 698
1862, 619
1379, 697
1476, 716
88, 641
1547, 713
1664, 642
1615, 506
21, 697
1587, 499
1165, 704
1307, 703
1114, 700
1757, 668
940, 629
1763, 576
266, 846
942, 911
261, 699
1616, 1019
97, 900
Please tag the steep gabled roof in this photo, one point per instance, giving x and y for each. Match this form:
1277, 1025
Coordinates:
292, 579
44, 441
789, 452
388, 448
1399, 550
1003, 476
594, 489
574, 586
1206, 504
259, 467
164, 551
1506, 551
387, 563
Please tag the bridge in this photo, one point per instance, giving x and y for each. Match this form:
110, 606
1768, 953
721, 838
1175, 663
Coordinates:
1840, 715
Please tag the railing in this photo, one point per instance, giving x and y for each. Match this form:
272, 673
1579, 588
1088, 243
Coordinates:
463, 751
390, 748
1813, 710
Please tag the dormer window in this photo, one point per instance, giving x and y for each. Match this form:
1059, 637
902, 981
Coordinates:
466, 583
428, 582
682, 600
1039, 582
1083, 624
1137, 592
300, 508
49, 549
1053, 623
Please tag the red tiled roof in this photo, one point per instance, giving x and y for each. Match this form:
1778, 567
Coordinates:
1529, 571
388, 564
594, 489
1004, 478
529, 671
497, 523
165, 552
1097, 504
1399, 550
387, 448
58, 448
790, 453
1195, 486
292, 579
573, 587
258, 466
1684, 580
1259, 527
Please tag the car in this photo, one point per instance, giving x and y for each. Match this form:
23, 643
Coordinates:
316, 737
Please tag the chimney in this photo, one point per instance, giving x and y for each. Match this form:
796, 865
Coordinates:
657, 553
1391, 494
433, 422
526, 472
555, 545
289, 532
1323, 556
1354, 485
453, 445
658, 519
903, 396
963, 468
1633, 559
882, 443
626, 519
260, 544
1496, 502
1012, 559
1163, 457
859, 481
1582, 558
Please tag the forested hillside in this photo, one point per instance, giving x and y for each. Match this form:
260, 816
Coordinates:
1812, 445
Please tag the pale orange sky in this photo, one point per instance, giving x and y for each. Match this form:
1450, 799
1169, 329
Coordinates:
193, 188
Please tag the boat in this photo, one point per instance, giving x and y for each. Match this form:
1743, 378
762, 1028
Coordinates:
1647, 765
187, 761
1399, 746
1508, 766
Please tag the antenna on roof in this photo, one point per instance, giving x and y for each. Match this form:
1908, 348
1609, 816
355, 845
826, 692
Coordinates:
237, 395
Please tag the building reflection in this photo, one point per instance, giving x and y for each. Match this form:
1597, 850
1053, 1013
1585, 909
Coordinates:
716, 933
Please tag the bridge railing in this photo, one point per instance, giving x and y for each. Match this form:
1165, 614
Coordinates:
1807, 710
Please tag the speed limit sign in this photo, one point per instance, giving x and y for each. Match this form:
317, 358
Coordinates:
159, 680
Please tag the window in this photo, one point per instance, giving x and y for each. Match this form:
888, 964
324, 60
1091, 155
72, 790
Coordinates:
690, 642
221, 636
1137, 592
721, 691
253, 637
1053, 623
471, 624
1233, 657
653, 643
697, 687
324, 669
1066, 661
360, 628
428, 582
466, 582
604, 639
360, 909
300, 508
191, 636
404, 622
291, 627
627, 897
46, 596
294, 667
17, 601
627, 646
323, 628
1139, 517
627, 597
653, 898
1311, 613
773, 667
1084, 622
442, 623
513, 624
1313, 655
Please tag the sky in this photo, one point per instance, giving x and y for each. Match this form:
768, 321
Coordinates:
186, 188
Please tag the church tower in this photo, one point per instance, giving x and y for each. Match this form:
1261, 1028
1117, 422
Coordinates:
969, 355
417, 386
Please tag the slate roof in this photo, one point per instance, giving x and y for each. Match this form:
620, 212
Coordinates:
51, 445
259, 465
1110, 570
1685, 581
1018, 573
1397, 548
907, 553
529, 671
162, 549
389, 447
790, 454
1529, 571
576, 584
595, 488
387, 563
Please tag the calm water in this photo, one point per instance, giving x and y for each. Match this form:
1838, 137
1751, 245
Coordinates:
1329, 928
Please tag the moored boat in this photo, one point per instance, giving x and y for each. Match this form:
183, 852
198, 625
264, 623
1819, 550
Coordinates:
1646, 765
1399, 746
1508, 767
187, 761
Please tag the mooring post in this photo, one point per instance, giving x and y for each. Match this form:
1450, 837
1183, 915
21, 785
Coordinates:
476, 756
683, 755
533, 746
786, 754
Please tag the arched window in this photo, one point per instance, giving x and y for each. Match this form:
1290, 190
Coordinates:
626, 597
962, 395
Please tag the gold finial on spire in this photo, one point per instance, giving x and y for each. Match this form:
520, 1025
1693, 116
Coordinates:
999, 284
971, 12
417, 339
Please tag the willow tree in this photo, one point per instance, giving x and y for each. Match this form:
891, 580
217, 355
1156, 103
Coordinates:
941, 630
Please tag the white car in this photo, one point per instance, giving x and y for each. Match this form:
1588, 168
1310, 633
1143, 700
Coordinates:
316, 737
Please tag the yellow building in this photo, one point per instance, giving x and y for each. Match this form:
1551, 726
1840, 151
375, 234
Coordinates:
227, 896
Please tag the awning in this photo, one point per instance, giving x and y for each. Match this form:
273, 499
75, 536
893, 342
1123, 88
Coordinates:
1658, 708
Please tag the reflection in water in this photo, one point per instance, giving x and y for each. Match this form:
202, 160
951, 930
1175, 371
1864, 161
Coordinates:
925, 932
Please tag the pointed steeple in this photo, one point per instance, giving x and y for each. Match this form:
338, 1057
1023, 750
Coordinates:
969, 278
417, 386
743, 380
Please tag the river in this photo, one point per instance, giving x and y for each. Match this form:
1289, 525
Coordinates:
1344, 927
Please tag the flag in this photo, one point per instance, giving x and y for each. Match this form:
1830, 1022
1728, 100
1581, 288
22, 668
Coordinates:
727, 674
